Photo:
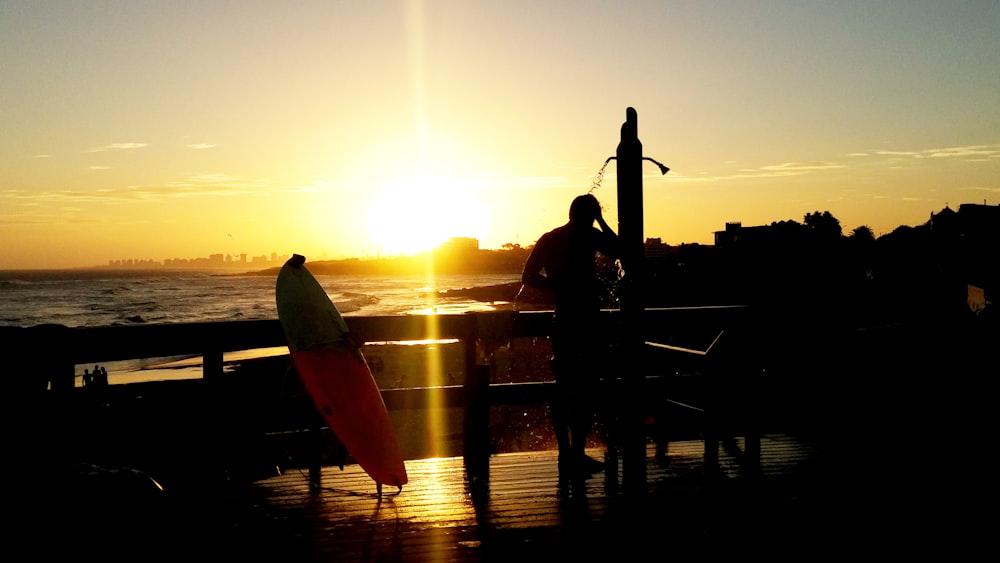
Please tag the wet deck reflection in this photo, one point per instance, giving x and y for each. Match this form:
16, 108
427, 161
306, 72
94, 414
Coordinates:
525, 511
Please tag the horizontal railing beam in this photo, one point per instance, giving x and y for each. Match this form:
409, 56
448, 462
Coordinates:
85, 345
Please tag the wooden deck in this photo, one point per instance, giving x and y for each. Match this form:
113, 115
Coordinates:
527, 512
524, 511
803, 504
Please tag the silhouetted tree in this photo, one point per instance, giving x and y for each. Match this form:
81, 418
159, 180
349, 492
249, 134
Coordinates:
823, 224
863, 233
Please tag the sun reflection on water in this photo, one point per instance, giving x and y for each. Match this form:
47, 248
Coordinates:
435, 372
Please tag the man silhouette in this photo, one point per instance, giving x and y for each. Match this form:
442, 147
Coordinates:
567, 255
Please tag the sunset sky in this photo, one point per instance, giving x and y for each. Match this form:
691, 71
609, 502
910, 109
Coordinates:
153, 130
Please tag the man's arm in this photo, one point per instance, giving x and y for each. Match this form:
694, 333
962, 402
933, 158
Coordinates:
608, 243
532, 273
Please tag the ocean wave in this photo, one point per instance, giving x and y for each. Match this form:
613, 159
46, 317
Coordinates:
124, 300
361, 297
349, 302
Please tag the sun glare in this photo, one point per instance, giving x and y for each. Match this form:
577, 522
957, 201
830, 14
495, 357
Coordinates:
415, 215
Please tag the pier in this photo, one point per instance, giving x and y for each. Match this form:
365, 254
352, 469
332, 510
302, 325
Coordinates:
741, 458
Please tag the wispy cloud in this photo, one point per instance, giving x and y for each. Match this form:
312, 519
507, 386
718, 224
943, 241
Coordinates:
195, 186
975, 151
534, 182
43, 156
117, 147
98, 167
900, 154
781, 170
969, 152
802, 166
215, 179
200, 146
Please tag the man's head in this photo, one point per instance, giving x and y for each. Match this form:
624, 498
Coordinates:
584, 210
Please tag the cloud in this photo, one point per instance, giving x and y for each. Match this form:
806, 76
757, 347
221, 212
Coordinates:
213, 179
988, 151
900, 154
117, 147
969, 152
802, 166
43, 156
534, 182
99, 167
782, 170
200, 146
195, 186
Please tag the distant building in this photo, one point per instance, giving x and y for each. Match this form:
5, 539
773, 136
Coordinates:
736, 234
656, 249
460, 245
971, 223
972, 235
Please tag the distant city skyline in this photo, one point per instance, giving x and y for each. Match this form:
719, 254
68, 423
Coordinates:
216, 260
466, 243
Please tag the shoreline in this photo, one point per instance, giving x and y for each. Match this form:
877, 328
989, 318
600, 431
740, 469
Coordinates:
394, 354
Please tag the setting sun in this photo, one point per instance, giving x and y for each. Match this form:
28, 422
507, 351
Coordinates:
418, 214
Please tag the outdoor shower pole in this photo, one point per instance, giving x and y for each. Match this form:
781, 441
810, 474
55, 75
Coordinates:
630, 231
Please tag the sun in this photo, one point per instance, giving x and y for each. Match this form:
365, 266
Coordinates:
417, 214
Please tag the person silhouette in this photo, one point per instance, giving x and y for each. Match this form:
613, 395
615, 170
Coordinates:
568, 257
100, 376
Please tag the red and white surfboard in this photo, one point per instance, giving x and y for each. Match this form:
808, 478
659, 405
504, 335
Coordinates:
336, 375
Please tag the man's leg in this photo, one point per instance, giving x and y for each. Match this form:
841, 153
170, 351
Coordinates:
559, 413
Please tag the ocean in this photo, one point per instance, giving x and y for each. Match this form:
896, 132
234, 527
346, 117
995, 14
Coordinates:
103, 297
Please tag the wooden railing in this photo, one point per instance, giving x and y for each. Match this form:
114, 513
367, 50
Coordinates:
45, 356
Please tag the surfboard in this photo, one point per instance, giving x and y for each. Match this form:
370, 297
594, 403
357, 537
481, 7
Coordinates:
336, 375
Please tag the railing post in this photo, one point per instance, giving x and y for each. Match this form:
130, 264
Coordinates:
476, 443
54, 348
477, 425
211, 364
732, 394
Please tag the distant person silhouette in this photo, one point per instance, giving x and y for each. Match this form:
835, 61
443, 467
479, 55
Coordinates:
100, 376
88, 379
568, 257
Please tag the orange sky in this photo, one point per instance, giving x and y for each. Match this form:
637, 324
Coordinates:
156, 130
